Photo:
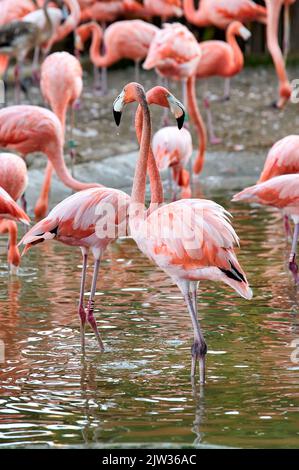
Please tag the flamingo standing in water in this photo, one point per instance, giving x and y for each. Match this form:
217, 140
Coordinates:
27, 129
172, 149
223, 59
190, 239
281, 192
123, 39
13, 179
175, 53
80, 220
221, 12
65, 69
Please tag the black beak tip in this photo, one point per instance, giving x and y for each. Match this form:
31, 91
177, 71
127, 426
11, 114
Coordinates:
117, 117
180, 121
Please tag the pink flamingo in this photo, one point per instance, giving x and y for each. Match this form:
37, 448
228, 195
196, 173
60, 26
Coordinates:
221, 12
163, 8
172, 149
123, 39
223, 59
105, 12
28, 129
13, 179
15, 9
65, 69
9, 209
175, 54
190, 239
80, 221
281, 192
71, 22
282, 159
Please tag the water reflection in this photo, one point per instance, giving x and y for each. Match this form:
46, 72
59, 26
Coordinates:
139, 390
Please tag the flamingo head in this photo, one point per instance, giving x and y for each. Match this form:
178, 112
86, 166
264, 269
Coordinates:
131, 92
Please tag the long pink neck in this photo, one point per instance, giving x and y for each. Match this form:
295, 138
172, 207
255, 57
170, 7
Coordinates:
199, 124
95, 55
55, 156
139, 183
157, 196
238, 59
194, 16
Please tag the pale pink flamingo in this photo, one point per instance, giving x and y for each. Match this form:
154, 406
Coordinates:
190, 239
80, 220
221, 12
13, 179
9, 209
175, 53
28, 129
65, 69
123, 39
281, 192
172, 149
222, 59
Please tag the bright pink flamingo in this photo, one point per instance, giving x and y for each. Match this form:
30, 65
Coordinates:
80, 220
123, 39
281, 192
172, 149
221, 12
9, 209
28, 129
223, 59
13, 179
65, 69
190, 239
175, 54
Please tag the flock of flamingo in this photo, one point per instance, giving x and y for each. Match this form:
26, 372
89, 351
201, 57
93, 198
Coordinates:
190, 239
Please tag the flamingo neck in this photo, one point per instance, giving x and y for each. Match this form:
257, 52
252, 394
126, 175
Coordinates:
157, 196
139, 183
199, 124
238, 59
95, 49
194, 16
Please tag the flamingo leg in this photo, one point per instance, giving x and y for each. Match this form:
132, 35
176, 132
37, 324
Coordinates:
81, 310
287, 226
35, 65
104, 81
199, 347
137, 70
213, 139
90, 307
17, 76
96, 78
293, 266
226, 95
41, 207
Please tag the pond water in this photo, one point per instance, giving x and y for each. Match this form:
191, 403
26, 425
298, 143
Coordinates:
139, 391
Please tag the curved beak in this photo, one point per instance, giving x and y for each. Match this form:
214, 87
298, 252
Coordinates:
177, 109
118, 106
